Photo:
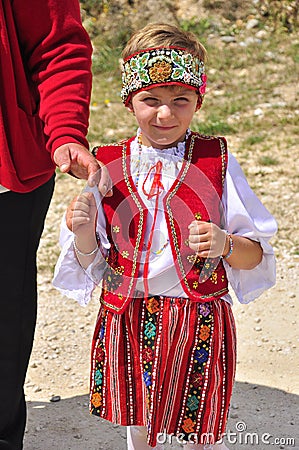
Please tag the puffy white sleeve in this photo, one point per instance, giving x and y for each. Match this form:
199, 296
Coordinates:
246, 216
70, 278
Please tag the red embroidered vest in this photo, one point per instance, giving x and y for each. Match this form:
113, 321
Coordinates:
195, 194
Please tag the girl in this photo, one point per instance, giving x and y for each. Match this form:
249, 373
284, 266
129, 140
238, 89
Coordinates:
181, 224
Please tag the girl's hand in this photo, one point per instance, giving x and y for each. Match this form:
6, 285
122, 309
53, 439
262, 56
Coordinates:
81, 214
207, 239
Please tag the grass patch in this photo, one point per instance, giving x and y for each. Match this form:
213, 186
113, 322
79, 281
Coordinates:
252, 140
213, 126
267, 161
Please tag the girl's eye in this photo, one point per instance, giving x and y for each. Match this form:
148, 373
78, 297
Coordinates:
181, 100
150, 100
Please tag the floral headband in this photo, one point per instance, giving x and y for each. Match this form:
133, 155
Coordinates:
162, 66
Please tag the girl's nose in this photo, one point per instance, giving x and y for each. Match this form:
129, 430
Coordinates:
164, 111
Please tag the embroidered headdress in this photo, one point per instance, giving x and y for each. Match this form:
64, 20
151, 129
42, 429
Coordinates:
164, 66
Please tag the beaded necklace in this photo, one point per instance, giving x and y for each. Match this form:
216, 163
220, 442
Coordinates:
139, 140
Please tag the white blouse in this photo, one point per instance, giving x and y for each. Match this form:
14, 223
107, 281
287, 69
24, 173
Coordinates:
243, 214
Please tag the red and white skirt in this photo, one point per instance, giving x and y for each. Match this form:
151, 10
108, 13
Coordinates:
167, 364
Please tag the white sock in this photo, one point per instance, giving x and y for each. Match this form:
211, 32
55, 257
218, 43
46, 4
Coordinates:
137, 437
221, 446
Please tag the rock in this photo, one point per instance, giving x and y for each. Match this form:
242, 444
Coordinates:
55, 398
258, 112
252, 23
228, 39
78, 436
261, 34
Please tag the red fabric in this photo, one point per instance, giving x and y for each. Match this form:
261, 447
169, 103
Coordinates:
199, 193
45, 79
167, 364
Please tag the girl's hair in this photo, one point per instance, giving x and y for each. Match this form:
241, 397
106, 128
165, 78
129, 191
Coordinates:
163, 35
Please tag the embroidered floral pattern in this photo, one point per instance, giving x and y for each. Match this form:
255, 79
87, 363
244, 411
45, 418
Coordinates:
191, 258
147, 379
113, 278
162, 65
214, 277
201, 355
204, 267
150, 330
152, 305
197, 377
160, 71
188, 426
193, 403
98, 377
96, 400
204, 333
96, 397
147, 354
119, 270
203, 87
204, 309
149, 336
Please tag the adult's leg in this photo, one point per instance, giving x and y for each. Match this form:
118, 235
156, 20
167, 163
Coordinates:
21, 226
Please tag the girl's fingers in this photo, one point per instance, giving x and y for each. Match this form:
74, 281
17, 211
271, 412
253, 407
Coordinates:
82, 202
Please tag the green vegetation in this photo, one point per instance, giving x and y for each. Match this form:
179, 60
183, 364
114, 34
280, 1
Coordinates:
267, 161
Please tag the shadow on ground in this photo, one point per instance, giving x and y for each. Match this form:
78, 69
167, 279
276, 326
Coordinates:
255, 423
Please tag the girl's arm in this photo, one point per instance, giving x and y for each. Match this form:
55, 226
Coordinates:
71, 277
80, 219
208, 240
244, 215
241, 252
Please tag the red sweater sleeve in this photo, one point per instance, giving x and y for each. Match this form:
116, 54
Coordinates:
57, 52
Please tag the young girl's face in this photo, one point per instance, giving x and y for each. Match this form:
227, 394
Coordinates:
164, 114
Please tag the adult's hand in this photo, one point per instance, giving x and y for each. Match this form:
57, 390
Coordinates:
77, 160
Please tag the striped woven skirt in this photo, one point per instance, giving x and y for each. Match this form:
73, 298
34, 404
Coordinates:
167, 364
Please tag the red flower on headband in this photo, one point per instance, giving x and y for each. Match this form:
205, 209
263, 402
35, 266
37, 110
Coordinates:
202, 88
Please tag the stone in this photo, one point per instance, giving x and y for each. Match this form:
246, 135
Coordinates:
55, 398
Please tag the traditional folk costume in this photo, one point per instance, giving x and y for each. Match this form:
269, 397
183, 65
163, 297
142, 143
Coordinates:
164, 346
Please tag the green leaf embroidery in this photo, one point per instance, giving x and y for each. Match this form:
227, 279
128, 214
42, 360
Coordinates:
144, 76
143, 60
177, 73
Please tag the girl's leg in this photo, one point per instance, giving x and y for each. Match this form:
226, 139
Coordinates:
136, 439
